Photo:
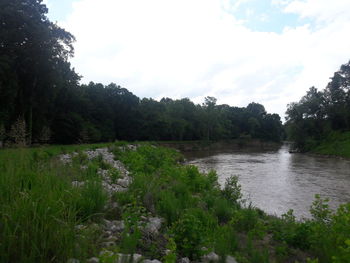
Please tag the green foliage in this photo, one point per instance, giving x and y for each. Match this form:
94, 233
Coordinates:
170, 257
189, 235
91, 200
320, 210
39, 208
232, 190
335, 143
320, 120
226, 241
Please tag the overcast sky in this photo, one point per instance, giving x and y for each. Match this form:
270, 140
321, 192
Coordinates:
239, 51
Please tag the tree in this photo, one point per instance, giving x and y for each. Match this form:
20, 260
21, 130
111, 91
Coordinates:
210, 115
34, 56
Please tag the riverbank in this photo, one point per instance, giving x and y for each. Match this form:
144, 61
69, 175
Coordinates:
234, 144
137, 203
335, 144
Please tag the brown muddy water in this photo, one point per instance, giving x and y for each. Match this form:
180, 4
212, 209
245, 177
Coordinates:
276, 181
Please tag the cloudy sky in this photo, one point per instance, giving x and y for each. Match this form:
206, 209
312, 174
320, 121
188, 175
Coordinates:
239, 51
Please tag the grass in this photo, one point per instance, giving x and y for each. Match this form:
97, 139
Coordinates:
337, 144
39, 207
40, 211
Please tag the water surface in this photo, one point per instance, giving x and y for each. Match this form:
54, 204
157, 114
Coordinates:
277, 181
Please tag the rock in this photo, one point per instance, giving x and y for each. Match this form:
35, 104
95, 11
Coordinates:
153, 225
136, 258
211, 257
106, 253
77, 184
107, 224
73, 260
106, 234
93, 260
120, 225
123, 182
113, 228
184, 260
111, 239
151, 261
230, 259
65, 158
108, 244
79, 227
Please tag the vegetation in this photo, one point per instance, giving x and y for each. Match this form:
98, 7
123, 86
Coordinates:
41, 211
39, 207
42, 101
320, 121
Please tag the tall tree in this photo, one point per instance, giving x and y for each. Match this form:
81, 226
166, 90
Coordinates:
36, 52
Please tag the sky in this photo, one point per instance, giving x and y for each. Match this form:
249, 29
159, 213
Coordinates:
239, 51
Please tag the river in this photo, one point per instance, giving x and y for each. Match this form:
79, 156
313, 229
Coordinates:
276, 181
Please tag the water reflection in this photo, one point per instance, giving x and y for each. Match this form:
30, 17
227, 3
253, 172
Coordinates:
277, 181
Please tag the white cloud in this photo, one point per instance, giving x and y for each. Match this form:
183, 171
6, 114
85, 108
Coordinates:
322, 10
194, 48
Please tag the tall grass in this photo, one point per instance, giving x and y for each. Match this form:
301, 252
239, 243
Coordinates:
39, 208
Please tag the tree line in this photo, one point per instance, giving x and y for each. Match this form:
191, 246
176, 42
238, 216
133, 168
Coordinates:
42, 101
319, 113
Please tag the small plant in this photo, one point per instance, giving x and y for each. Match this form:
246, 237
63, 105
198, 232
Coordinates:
232, 190
92, 199
131, 235
115, 175
170, 256
320, 209
189, 235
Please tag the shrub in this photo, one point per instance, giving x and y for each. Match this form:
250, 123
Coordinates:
232, 190
189, 236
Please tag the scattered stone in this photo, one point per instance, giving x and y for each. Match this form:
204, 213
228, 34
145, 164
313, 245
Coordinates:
153, 225
107, 234
107, 224
136, 257
151, 261
123, 182
78, 184
211, 257
184, 260
132, 147
111, 239
73, 260
108, 244
230, 259
66, 158
120, 225
79, 227
93, 260
106, 253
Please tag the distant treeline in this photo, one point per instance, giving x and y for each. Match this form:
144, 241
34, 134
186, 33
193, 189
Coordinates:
319, 113
42, 101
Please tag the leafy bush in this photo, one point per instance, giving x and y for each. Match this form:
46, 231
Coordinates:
189, 235
232, 190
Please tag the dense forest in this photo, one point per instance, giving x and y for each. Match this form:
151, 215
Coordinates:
42, 100
320, 114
